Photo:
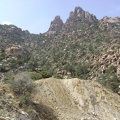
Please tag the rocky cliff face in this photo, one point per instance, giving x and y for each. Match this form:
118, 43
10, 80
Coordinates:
76, 18
79, 20
110, 19
55, 25
109, 23
80, 15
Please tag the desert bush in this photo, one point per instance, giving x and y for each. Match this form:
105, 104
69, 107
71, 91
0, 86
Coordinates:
23, 87
58, 76
40, 75
8, 77
13, 63
82, 70
2, 54
32, 64
22, 84
46, 74
110, 80
36, 76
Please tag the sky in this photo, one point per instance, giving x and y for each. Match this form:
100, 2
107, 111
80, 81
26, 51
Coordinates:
36, 15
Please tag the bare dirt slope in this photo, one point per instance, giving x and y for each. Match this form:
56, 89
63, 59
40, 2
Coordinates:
75, 99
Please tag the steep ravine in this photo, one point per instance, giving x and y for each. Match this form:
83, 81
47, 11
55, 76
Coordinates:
75, 99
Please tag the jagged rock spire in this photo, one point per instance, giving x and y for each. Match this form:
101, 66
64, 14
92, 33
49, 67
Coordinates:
56, 25
79, 13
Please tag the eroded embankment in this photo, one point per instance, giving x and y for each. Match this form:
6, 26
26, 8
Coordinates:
75, 99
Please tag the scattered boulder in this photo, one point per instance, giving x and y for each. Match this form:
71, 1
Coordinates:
13, 49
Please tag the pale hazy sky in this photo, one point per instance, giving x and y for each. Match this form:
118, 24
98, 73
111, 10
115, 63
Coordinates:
36, 15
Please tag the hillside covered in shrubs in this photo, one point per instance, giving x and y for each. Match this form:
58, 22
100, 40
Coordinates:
82, 47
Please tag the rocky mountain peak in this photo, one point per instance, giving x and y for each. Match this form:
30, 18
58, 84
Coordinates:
80, 14
110, 19
55, 25
109, 23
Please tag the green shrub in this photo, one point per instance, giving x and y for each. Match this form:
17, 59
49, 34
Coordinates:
110, 80
32, 64
46, 74
36, 76
22, 84
2, 54
9, 77
25, 99
82, 70
58, 76
13, 63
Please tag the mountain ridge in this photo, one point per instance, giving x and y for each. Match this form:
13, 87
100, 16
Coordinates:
82, 41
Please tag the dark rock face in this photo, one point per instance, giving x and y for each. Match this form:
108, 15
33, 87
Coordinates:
55, 25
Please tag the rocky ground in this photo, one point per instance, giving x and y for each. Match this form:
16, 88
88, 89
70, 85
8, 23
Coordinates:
9, 106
